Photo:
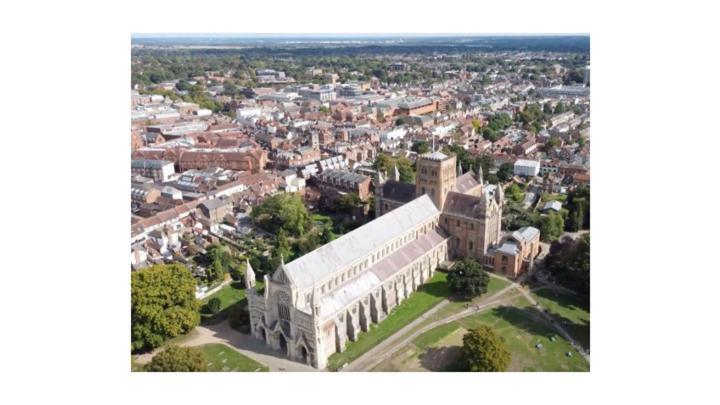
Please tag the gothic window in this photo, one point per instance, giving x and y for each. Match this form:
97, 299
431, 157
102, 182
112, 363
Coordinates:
458, 222
470, 245
472, 227
283, 306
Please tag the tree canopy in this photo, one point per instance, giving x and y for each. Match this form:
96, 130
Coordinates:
178, 359
468, 279
386, 163
484, 350
551, 226
569, 262
282, 211
163, 305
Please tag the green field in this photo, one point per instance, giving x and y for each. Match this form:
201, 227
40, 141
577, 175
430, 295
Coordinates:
519, 324
570, 311
426, 297
494, 285
228, 295
223, 358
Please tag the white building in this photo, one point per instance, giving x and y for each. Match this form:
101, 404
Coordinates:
529, 168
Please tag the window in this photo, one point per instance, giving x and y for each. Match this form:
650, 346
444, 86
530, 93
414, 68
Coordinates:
458, 222
472, 227
470, 245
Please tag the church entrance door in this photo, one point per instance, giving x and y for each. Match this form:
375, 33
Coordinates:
283, 345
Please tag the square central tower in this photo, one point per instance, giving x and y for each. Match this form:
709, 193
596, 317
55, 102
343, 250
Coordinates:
435, 176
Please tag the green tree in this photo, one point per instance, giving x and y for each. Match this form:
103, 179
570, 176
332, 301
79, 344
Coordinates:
213, 305
515, 193
178, 359
163, 305
282, 246
282, 211
421, 147
551, 226
505, 171
484, 350
386, 163
468, 279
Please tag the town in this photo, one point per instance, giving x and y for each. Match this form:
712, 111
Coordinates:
355, 207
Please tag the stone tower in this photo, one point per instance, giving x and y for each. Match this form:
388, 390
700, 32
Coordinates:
435, 176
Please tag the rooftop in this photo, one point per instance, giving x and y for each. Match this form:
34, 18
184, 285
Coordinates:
351, 247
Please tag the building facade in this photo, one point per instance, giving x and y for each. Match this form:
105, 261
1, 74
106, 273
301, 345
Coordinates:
310, 307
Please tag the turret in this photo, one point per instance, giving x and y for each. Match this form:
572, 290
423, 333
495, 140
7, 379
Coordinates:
480, 175
499, 195
459, 169
396, 173
249, 275
266, 292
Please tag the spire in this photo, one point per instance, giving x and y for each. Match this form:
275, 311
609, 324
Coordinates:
433, 145
396, 173
249, 275
480, 175
459, 169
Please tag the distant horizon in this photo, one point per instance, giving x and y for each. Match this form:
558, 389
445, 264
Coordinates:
348, 35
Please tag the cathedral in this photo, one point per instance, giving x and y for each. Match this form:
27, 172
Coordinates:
310, 307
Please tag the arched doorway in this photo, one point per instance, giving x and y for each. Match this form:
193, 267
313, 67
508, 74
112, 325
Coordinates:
283, 345
304, 354
262, 335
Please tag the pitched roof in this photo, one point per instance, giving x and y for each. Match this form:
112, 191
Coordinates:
398, 191
351, 247
464, 204
466, 182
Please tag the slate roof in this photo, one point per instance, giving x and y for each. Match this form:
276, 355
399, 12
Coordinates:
398, 191
465, 205
362, 285
353, 246
466, 182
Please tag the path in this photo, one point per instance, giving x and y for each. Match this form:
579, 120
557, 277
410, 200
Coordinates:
245, 344
550, 320
389, 346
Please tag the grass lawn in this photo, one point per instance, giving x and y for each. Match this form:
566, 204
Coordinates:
224, 358
229, 295
439, 348
494, 285
426, 297
570, 311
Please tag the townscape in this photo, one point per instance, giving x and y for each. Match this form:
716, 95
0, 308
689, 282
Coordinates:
360, 205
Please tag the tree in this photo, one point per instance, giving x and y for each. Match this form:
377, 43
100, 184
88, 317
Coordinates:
163, 304
515, 193
569, 263
505, 171
386, 163
551, 226
484, 350
421, 147
178, 359
282, 211
282, 246
468, 279
346, 202
213, 305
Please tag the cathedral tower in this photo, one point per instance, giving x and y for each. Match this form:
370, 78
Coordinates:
435, 176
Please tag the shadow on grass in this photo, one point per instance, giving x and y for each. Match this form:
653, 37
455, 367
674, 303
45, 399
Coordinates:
528, 319
565, 300
580, 331
444, 358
